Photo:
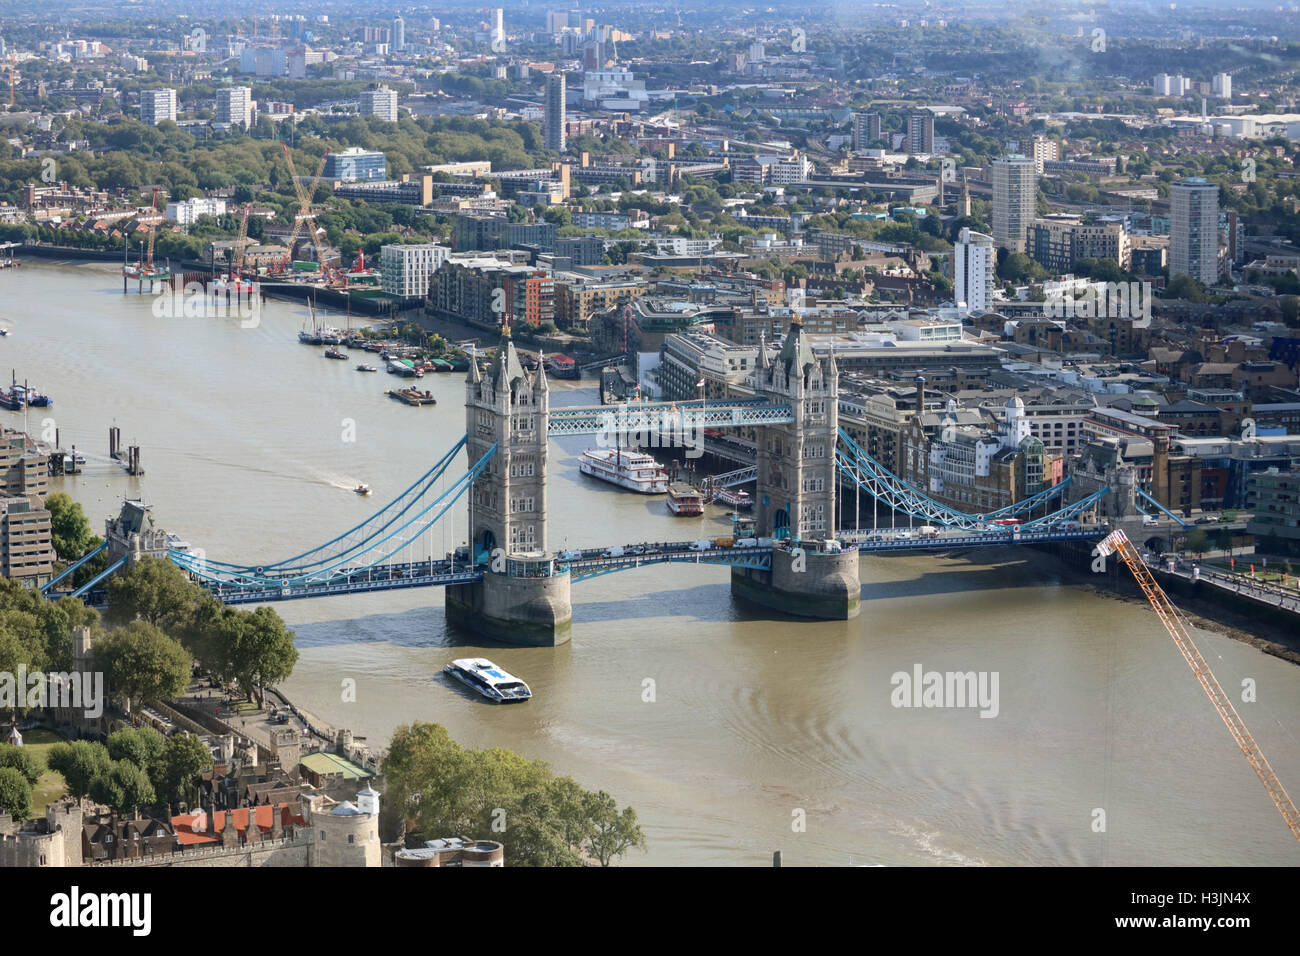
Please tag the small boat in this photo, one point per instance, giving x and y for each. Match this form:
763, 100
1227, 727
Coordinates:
736, 498
362, 490
367, 368
484, 677
4, 331
412, 396
335, 354
37, 400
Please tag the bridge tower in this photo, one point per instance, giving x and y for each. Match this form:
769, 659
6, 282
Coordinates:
519, 600
796, 489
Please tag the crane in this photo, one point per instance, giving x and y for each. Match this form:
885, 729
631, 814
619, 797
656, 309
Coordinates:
304, 205
153, 232
1118, 543
237, 263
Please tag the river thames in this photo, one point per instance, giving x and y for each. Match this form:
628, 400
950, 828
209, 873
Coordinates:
252, 443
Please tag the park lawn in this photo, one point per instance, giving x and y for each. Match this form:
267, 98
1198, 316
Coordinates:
50, 786
245, 708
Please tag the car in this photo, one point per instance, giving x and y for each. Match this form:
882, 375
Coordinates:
1149, 521
1207, 519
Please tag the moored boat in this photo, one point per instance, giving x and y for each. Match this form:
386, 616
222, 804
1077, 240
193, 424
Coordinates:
367, 368
333, 353
633, 470
685, 500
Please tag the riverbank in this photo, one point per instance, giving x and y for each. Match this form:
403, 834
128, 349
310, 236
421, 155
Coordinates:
1201, 606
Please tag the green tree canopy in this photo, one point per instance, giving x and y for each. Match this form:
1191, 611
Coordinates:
69, 527
15, 794
79, 763
140, 662
23, 759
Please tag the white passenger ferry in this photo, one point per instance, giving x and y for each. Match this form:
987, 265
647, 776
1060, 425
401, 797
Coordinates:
494, 683
633, 470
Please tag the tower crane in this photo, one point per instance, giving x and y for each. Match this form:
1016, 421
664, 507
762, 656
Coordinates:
304, 205
1118, 543
237, 263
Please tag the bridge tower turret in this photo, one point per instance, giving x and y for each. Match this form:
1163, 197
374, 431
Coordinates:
520, 600
796, 490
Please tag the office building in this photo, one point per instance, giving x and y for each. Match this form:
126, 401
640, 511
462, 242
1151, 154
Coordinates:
1194, 230
1015, 198
380, 102
920, 133
355, 164
866, 128
235, 106
157, 105
554, 112
974, 259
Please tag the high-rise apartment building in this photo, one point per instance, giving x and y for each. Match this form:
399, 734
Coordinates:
1015, 198
381, 102
157, 105
554, 112
974, 258
235, 106
399, 35
1222, 85
1194, 230
866, 127
1045, 151
920, 133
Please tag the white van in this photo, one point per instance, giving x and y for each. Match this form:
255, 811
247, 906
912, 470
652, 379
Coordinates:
616, 552
701, 545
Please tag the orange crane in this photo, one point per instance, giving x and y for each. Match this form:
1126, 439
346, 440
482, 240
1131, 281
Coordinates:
1118, 543
304, 206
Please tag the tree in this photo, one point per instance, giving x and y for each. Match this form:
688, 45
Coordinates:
152, 590
79, 763
15, 794
612, 833
184, 759
143, 747
263, 652
142, 663
123, 788
23, 759
1197, 541
69, 529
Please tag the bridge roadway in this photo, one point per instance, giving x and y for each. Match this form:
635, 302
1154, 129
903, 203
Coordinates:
593, 562
652, 417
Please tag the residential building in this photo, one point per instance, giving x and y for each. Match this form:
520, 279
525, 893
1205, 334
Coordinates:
398, 35
553, 127
1015, 199
408, 269
1222, 85
866, 129
188, 211
974, 261
1194, 230
157, 106
235, 106
380, 102
920, 133
1045, 150
26, 548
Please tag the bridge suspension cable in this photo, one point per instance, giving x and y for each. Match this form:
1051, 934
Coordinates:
358, 536
378, 547
877, 480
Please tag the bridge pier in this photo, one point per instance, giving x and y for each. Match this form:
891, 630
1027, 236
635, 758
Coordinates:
529, 611
815, 584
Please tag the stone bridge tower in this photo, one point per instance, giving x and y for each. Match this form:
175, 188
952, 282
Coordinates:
520, 599
509, 408
796, 490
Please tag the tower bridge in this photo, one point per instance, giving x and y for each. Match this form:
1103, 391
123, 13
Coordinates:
508, 585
